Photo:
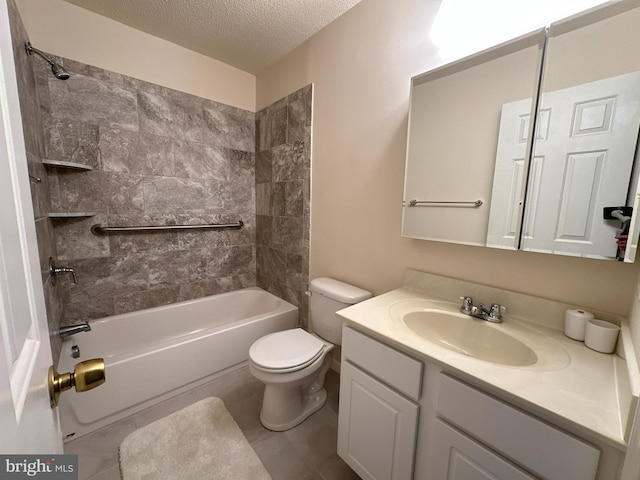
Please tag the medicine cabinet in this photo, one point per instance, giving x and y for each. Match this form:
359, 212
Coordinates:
477, 174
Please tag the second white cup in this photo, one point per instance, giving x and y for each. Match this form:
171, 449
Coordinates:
601, 336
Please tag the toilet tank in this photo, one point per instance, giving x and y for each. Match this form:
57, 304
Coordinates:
327, 297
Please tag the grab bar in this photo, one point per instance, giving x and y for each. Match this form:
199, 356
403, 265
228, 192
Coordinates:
98, 229
428, 203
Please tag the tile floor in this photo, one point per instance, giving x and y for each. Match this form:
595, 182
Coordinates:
306, 452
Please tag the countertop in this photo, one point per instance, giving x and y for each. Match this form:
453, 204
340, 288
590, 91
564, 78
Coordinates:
577, 387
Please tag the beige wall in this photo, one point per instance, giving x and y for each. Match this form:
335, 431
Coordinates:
66, 30
360, 66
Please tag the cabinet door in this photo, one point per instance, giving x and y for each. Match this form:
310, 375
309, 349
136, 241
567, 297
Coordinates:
545, 450
456, 457
376, 427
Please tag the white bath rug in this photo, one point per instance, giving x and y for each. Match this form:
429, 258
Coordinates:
201, 441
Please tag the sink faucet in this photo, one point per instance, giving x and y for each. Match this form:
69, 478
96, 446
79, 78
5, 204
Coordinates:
73, 329
493, 314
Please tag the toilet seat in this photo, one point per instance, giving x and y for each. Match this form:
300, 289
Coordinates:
286, 351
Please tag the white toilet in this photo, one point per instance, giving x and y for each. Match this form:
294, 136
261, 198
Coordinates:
293, 363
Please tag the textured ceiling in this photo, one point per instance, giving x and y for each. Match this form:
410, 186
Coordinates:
248, 34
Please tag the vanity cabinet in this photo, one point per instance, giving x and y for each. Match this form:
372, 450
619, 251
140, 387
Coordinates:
471, 426
378, 416
404, 418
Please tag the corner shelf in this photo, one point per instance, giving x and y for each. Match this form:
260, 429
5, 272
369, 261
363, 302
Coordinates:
68, 165
63, 215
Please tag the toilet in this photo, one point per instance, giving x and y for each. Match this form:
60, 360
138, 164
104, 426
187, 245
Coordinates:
293, 363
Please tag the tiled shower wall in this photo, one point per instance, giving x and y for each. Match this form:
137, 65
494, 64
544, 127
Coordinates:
34, 143
159, 157
283, 171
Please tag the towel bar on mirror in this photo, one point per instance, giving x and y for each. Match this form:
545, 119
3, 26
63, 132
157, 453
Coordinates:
431, 203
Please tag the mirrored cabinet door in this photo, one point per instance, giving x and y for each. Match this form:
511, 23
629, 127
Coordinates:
586, 137
454, 125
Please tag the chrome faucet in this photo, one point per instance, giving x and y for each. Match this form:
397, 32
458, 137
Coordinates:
54, 271
73, 329
493, 314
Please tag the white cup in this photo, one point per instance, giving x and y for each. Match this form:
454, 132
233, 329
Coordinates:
601, 336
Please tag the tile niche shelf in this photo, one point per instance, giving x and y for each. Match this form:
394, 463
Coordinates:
68, 166
63, 215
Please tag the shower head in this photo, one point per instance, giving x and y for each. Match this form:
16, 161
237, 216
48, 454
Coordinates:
59, 72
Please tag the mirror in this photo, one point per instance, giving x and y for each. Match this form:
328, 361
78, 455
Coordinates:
454, 122
587, 133
471, 137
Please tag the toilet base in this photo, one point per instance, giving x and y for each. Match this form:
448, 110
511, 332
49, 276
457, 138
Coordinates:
288, 404
309, 406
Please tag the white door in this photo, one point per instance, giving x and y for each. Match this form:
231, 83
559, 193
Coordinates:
584, 150
509, 175
586, 162
27, 422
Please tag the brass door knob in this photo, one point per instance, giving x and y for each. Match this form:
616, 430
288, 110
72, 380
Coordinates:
85, 376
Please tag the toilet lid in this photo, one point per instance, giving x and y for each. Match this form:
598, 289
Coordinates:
286, 349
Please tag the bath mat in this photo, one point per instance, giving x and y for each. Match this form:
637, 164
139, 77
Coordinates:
201, 441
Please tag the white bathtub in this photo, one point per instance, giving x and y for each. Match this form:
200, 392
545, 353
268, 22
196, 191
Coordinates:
154, 354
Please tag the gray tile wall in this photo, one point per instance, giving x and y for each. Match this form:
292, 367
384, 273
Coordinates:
283, 172
34, 143
160, 157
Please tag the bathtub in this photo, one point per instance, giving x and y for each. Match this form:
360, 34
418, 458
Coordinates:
152, 355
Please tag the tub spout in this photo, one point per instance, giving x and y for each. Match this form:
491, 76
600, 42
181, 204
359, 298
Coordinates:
73, 329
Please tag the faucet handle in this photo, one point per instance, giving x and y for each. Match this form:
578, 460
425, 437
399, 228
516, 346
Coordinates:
467, 304
497, 310
54, 271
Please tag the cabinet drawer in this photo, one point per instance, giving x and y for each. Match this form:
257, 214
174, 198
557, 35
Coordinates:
537, 446
391, 366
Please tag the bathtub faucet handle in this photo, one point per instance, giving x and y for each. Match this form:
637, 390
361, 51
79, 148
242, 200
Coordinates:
54, 271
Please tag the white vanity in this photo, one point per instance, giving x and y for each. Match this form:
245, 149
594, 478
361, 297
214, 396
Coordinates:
413, 406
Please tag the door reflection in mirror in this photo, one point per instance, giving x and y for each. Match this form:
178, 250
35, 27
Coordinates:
584, 149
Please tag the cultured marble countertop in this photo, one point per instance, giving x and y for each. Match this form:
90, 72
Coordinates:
577, 387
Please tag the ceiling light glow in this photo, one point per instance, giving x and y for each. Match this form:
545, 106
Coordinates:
463, 27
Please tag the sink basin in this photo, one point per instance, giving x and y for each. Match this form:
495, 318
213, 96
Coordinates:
469, 336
